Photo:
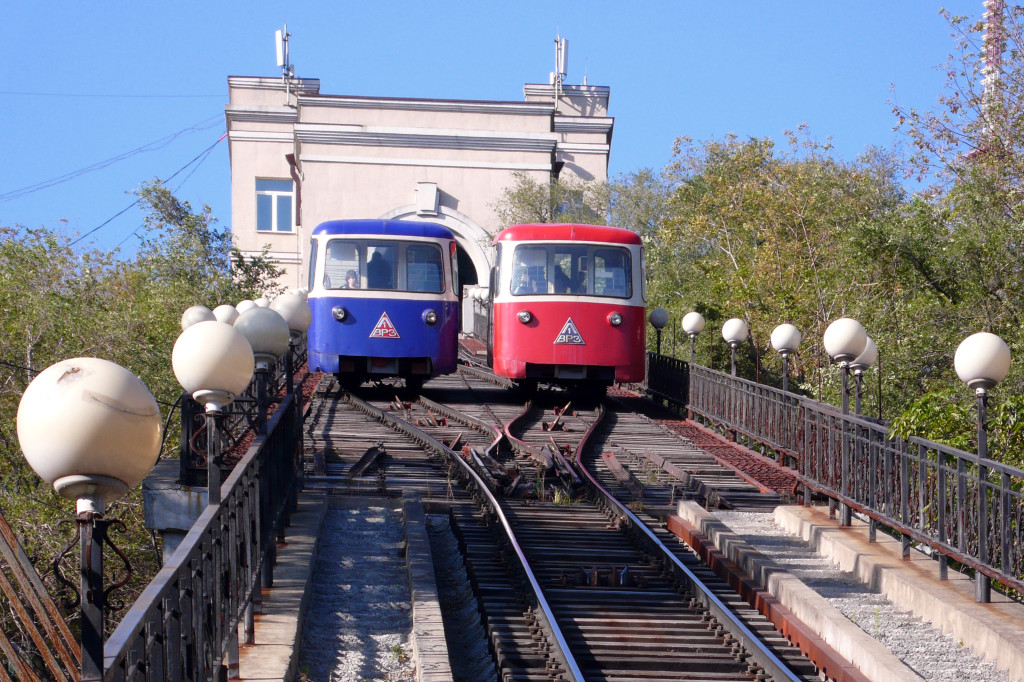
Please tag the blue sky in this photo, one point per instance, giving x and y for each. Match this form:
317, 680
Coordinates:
87, 82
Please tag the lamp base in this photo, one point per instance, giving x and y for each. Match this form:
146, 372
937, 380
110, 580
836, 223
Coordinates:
213, 400
92, 491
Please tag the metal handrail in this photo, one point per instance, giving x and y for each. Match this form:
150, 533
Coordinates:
947, 499
186, 620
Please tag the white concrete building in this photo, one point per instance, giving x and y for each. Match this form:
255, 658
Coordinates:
299, 157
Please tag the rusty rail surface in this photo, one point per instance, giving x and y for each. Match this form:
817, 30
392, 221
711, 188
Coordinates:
964, 508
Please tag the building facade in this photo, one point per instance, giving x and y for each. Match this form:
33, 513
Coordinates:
299, 157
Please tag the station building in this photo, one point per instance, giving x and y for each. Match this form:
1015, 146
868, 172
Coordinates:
300, 157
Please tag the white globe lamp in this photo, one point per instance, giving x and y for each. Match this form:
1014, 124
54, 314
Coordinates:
213, 362
267, 334
194, 315
226, 313
90, 428
982, 360
245, 305
845, 339
294, 308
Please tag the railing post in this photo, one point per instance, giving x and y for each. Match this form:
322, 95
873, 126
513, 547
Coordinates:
943, 562
845, 514
982, 584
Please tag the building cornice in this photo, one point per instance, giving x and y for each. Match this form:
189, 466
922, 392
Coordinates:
446, 105
424, 138
260, 136
580, 124
584, 148
548, 90
378, 160
261, 114
301, 86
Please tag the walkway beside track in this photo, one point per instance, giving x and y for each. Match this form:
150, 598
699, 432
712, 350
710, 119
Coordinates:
995, 630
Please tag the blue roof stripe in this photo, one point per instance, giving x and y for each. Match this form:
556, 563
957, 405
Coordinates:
396, 228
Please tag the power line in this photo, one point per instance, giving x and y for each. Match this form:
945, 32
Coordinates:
205, 124
104, 96
203, 153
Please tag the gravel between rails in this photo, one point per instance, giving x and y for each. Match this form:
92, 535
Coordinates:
930, 653
359, 616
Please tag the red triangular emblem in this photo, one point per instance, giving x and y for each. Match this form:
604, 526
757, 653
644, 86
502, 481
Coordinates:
570, 334
384, 329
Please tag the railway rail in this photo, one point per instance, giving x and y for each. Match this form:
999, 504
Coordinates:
575, 577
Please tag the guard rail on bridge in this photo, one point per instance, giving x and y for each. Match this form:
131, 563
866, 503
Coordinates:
184, 625
963, 508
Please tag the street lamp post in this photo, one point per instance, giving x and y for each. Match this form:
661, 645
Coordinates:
91, 429
844, 340
693, 324
859, 365
786, 339
294, 308
734, 331
214, 363
982, 361
268, 336
658, 319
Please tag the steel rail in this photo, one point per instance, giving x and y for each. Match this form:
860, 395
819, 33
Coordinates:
545, 613
753, 644
488, 375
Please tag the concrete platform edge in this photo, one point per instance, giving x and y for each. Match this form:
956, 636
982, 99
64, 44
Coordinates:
430, 648
278, 632
825, 622
993, 631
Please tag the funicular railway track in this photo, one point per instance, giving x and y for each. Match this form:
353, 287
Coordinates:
582, 589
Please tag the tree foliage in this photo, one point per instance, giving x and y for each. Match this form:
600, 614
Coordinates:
60, 302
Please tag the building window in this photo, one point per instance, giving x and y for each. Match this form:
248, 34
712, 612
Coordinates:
275, 206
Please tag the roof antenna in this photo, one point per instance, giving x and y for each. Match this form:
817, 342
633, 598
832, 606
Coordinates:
561, 65
283, 60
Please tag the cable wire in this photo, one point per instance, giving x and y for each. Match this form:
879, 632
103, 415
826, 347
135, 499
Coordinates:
134, 203
205, 124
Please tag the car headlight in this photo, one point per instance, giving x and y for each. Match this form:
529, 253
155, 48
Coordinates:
615, 319
524, 316
339, 313
430, 317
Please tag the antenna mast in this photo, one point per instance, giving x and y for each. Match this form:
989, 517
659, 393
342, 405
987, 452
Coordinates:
284, 61
994, 43
561, 65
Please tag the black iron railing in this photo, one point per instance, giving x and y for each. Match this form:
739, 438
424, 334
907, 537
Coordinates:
964, 508
240, 417
185, 624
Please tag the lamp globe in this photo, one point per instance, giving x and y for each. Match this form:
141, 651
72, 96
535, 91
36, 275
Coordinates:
734, 331
658, 318
693, 323
866, 358
982, 360
213, 362
90, 428
294, 308
197, 313
845, 339
245, 305
267, 334
263, 302
786, 338
226, 313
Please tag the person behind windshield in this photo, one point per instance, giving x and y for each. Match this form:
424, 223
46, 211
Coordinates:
351, 280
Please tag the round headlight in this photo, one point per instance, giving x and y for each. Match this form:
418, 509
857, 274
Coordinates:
430, 317
615, 319
525, 316
339, 313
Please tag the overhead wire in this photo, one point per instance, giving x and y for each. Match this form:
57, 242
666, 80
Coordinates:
203, 153
205, 124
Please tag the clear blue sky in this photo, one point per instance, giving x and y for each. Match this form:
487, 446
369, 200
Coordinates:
86, 82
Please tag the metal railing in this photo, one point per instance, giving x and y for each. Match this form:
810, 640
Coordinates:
964, 508
241, 416
184, 626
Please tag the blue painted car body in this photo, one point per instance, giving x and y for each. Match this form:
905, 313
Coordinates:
382, 332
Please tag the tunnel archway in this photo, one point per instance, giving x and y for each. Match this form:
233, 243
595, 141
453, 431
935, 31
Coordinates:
475, 255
